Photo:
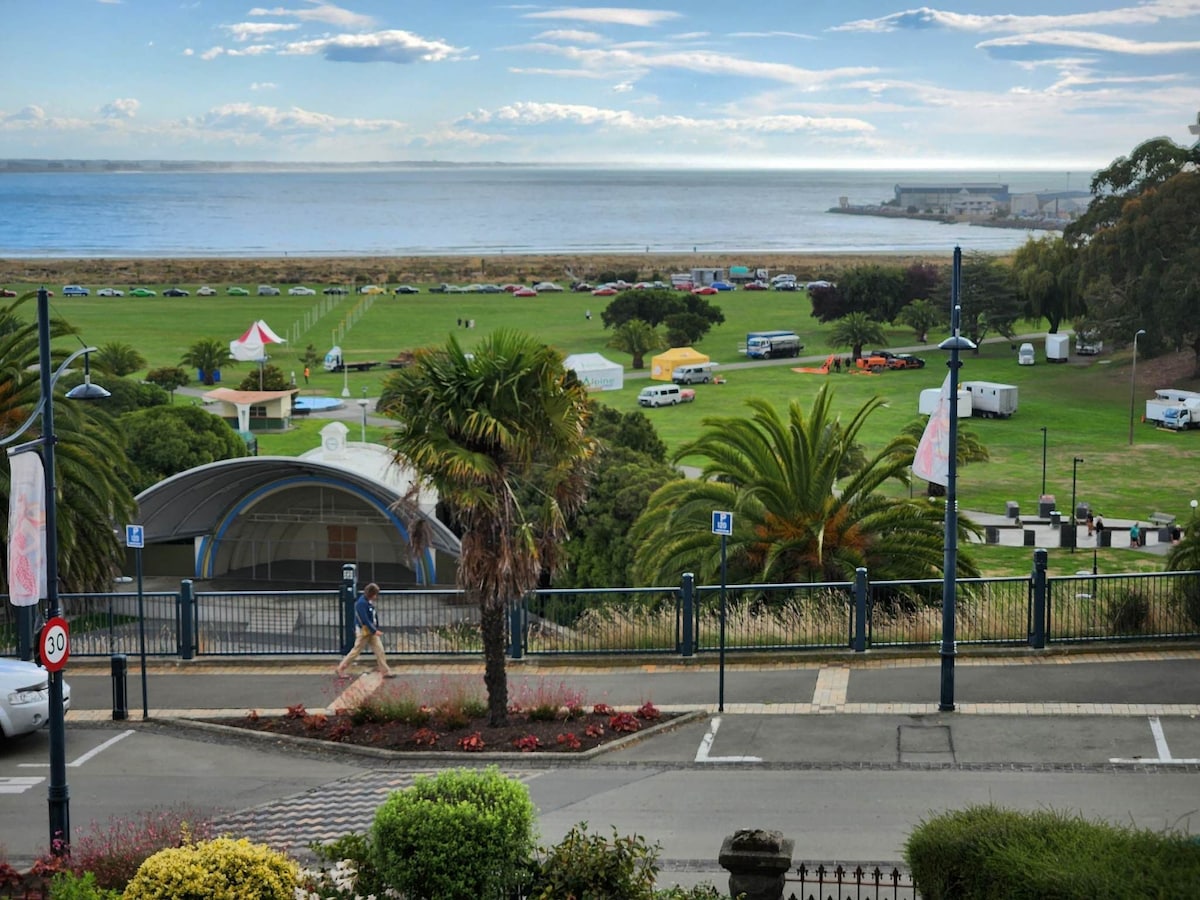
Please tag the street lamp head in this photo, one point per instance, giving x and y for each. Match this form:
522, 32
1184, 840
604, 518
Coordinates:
87, 390
1140, 332
1079, 459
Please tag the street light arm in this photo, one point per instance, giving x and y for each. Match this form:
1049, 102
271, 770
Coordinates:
41, 404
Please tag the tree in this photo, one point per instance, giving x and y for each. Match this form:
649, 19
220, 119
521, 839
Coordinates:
91, 466
854, 330
988, 297
921, 316
778, 477
879, 291
118, 358
165, 440
1047, 277
692, 314
126, 394
480, 428
207, 355
268, 378
169, 378
637, 338
310, 356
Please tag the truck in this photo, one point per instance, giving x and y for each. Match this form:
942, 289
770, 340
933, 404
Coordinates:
1057, 348
1088, 343
772, 344
1174, 409
992, 400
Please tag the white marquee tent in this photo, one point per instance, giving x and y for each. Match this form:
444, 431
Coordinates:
251, 346
596, 372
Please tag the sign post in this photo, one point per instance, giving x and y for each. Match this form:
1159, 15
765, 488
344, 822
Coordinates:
722, 524
135, 539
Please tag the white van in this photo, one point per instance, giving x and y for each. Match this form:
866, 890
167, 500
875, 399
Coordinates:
659, 395
702, 373
1025, 355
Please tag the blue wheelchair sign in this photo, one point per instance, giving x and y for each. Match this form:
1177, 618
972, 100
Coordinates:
722, 522
135, 536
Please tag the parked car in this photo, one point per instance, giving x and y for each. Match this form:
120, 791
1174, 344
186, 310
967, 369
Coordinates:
782, 278
405, 289
547, 287
906, 361
757, 286
371, 289
25, 697
818, 284
110, 292
525, 292
786, 286
581, 287
5, 292
604, 292
724, 286
301, 291
511, 287
176, 292
490, 289
706, 290
143, 292
335, 291
74, 290
268, 290
442, 288
238, 292
206, 291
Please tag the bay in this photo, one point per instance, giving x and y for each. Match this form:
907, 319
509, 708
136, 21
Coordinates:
484, 210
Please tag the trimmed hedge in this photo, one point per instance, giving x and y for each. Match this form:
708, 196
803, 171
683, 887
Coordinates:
989, 853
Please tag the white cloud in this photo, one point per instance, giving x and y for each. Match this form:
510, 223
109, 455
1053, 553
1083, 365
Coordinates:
244, 31
123, 108
381, 46
926, 17
570, 34
263, 86
249, 118
188, 51
770, 34
326, 13
1083, 40
603, 15
212, 53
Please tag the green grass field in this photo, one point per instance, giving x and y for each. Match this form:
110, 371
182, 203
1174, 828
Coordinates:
1084, 405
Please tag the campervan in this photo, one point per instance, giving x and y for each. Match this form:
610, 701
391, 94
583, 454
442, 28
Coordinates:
1025, 355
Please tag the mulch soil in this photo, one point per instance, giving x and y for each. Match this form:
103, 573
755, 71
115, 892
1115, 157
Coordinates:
584, 731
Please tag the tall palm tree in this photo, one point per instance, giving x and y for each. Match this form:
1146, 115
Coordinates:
793, 521
489, 430
854, 330
207, 355
92, 469
637, 338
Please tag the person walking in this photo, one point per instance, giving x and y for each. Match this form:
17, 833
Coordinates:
367, 633
1135, 534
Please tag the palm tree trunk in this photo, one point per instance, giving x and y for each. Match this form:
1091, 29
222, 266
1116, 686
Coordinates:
495, 678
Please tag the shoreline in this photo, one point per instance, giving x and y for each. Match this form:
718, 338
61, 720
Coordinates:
424, 269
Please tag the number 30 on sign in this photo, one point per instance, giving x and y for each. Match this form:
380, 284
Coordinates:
56, 644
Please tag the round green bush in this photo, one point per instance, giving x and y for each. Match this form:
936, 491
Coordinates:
220, 869
462, 835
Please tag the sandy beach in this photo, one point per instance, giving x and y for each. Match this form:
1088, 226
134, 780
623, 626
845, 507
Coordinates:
419, 269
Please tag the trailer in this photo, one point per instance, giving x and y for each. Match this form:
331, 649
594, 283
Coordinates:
772, 344
991, 400
1057, 348
1174, 409
1088, 343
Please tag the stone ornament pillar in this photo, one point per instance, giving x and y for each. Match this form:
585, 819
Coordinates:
758, 862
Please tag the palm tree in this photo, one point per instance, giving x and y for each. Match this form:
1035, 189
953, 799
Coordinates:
637, 338
854, 330
488, 431
792, 519
93, 472
119, 358
920, 316
207, 355
969, 449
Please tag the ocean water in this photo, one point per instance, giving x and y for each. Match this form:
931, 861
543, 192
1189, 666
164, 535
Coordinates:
476, 210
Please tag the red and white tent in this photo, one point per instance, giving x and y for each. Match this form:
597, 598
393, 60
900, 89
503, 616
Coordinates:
251, 346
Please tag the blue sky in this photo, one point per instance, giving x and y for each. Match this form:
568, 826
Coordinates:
787, 83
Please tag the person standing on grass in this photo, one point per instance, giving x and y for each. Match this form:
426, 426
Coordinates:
367, 633
306, 374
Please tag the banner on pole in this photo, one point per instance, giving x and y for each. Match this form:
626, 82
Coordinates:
932, 459
26, 530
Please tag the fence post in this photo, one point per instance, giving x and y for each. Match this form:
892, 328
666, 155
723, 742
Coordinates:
860, 610
687, 597
187, 615
348, 594
516, 649
1037, 638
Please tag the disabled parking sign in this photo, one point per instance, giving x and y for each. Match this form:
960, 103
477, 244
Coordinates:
722, 522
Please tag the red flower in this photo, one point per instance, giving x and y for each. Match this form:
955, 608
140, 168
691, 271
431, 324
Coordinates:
648, 711
527, 744
472, 743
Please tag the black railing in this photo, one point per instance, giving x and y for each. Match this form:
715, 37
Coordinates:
837, 882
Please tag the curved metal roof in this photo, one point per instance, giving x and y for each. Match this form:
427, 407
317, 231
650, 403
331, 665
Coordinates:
192, 503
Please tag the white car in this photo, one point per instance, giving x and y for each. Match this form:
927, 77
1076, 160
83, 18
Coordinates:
206, 291
110, 292
301, 291
266, 290
543, 287
25, 697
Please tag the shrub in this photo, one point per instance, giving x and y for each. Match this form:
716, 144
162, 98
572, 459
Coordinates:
350, 873
220, 869
114, 851
1128, 613
462, 835
1189, 599
987, 852
69, 886
591, 866
699, 892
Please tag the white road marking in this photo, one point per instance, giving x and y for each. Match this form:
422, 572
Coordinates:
18, 785
1160, 744
76, 763
706, 744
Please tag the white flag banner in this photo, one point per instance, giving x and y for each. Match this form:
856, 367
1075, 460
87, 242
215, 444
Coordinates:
26, 529
932, 460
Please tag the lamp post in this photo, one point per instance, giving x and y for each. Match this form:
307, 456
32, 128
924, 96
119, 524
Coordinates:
1133, 382
954, 344
363, 404
58, 795
1043, 461
1074, 524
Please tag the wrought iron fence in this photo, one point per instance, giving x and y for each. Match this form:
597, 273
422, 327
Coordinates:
836, 882
774, 616
1157, 605
987, 611
605, 620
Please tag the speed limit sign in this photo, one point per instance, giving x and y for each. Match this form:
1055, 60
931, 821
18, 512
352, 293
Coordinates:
56, 644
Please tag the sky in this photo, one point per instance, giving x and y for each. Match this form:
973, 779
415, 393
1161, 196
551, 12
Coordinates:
704, 83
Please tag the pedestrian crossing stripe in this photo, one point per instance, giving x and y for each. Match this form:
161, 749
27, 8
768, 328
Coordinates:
18, 784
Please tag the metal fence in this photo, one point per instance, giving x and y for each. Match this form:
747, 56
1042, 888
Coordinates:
836, 882
687, 620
